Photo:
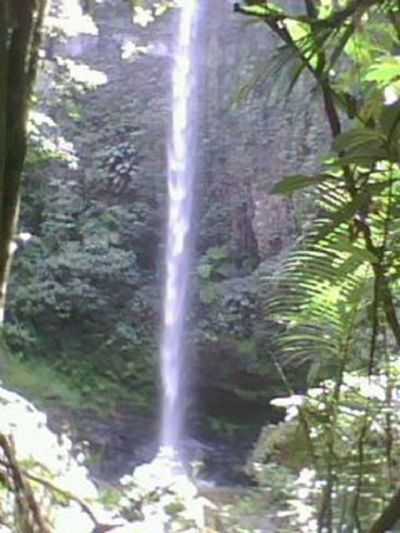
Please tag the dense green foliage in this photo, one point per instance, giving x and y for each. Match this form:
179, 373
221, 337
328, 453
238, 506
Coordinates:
85, 284
337, 293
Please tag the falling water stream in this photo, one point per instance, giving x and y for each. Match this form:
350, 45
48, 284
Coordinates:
181, 171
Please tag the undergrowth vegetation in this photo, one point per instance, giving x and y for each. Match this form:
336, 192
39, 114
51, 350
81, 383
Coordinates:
336, 295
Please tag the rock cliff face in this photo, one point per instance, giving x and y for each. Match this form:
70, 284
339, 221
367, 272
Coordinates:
111, 202
251, 142
247, 144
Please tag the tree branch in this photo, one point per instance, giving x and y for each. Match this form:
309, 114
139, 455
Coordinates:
23, 491
333, 21
65, 493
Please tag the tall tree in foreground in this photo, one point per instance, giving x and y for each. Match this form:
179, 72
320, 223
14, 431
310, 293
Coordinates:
338, 295
21, 28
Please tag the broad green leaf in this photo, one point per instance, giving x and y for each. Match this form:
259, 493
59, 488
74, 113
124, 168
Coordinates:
256, 10
297, 29
262, 9
291, 184
363, 160
357, 139
384, 72
365, 155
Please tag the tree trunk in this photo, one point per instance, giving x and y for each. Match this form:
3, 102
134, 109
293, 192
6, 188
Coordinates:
21, 23
389, 517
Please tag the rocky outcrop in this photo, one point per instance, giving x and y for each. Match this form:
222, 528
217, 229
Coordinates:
251, 142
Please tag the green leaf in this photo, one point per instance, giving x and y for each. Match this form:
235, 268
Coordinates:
361, 146
384, 72
262, 10
365, 159
358, 138
291, 184
344, 214
360, 253
204, 271
208, 294
217, 253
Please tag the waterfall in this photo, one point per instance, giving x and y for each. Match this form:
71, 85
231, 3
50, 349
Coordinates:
181, 172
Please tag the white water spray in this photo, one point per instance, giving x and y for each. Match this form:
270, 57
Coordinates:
181, 163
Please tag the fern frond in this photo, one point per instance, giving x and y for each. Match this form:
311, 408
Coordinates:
321, 290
